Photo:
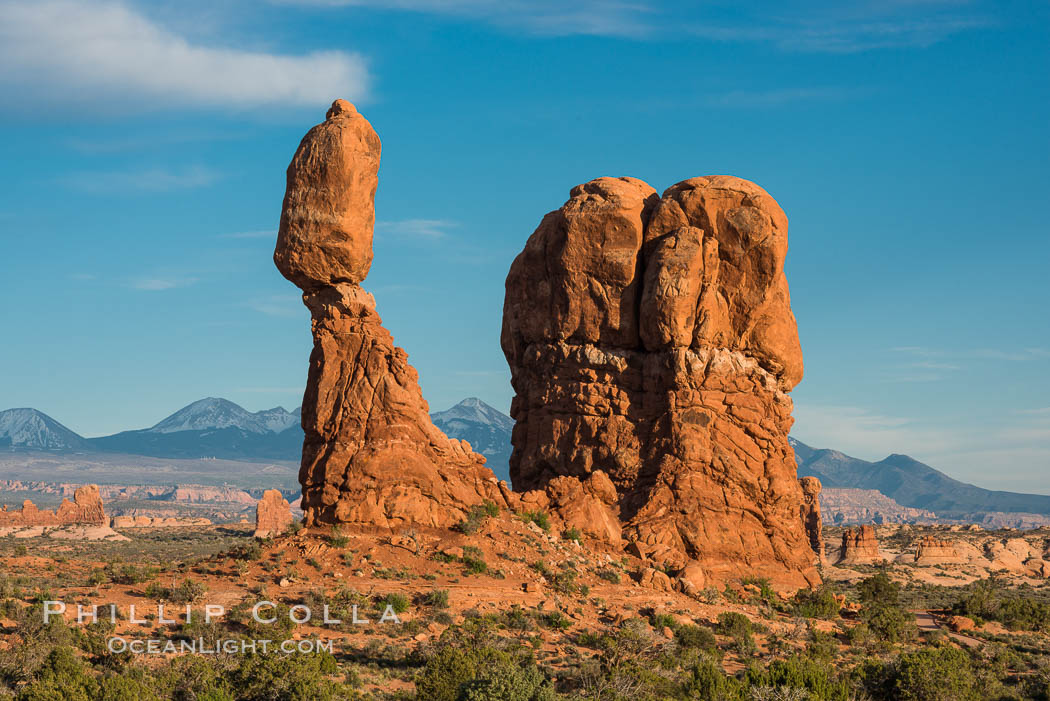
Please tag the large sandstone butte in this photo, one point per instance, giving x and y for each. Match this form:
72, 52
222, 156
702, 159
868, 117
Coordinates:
86, 508
651, 340
860, 547
371, 453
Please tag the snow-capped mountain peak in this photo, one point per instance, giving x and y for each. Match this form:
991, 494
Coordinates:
216, 413
29, 428
476, 411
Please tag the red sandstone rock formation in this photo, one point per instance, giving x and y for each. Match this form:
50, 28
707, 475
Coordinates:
811, 515
933, 551
273, 514
651, 341
371, 453
860, 547
86, 508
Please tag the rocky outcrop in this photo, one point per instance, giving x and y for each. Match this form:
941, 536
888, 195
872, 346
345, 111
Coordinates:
371, 454
86, 508
811, 515
273, 514
860, 546
651, 339
935, 551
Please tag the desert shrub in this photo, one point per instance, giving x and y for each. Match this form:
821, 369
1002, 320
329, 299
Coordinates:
695, 637
477, 516
294, 527
707, 681
628, 666
765, 587
438, 599
186, 592
572, 534
738, 627
61, 677
609, 576
815, 603
988, 600
540, 518
21, 550
564, 582
249, 551
337, 539
130, 574
294, 677
797, 677
732, 624
464, 673
882, 612
821, 646
398, 602
935, 674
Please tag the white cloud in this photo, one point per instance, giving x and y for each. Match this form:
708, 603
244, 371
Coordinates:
286, 306
143, 180
422, 228
822, 32
542, 17
86, 53
156, 284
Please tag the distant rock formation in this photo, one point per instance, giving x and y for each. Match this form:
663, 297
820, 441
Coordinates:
845, 506
273, 514
651, 339
860, 547
157, 522
86, 508
371, 453
930, 550
811, 515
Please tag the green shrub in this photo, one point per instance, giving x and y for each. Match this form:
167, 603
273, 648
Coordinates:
540, 518
815, 603
695, 637
337, 539
477, 516
438, 599
609, 576
398, 602
572, 534
935, 674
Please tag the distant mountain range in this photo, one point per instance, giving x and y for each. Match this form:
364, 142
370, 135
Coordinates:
209, 428
912, 483
218, 428
486, 429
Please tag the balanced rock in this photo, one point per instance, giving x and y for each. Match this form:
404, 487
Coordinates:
651, 338
860, 547
371, 454
811, 519
273, 514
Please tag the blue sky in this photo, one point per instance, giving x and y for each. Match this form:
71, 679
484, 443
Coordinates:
144, 148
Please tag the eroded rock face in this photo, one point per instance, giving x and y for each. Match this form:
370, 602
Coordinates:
371, 453
811, 488
86, 508
860, 546
273, 514
934, 551
651, 339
